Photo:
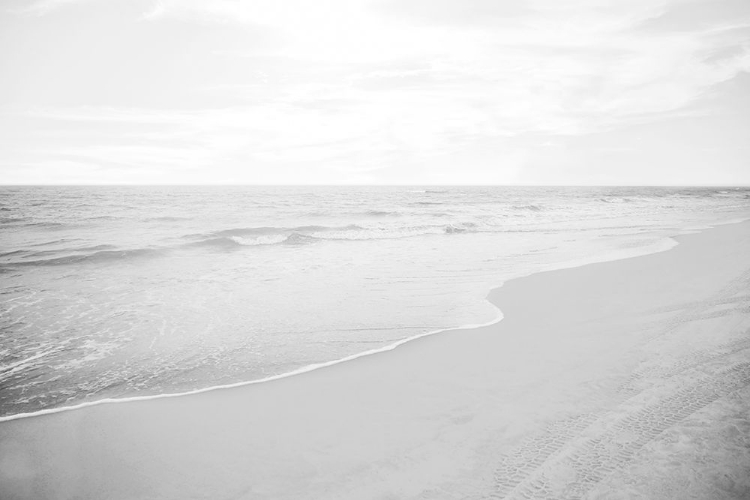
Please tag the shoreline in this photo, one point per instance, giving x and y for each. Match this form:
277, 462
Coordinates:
595, 373
281, 376
665, 245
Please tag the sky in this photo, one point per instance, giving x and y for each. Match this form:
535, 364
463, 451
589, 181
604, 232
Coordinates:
551, 92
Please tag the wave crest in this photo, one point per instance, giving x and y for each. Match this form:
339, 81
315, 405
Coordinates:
261, 236
99, 256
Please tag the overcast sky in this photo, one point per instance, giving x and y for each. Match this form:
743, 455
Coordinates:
375, 91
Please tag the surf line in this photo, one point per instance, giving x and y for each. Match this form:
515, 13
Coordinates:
299, 371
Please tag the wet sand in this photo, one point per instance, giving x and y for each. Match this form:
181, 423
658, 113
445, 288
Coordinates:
625, 379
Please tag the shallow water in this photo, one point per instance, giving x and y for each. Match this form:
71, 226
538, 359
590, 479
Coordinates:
113, 292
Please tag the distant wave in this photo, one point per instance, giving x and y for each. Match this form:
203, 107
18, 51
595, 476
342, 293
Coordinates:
381, 213
11, 220
450, 228
363, 213
48, 225
12, 253
270, 230
616, 199
55, 242
260, 236
167, 218
233, 242
98, 256
228, 239
231, 239
77, 250
532, 208
397, 233
266, 235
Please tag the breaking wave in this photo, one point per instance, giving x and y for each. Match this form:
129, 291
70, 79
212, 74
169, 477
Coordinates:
259, 236
229, 239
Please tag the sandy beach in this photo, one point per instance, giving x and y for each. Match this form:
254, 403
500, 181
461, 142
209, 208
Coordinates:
624, 379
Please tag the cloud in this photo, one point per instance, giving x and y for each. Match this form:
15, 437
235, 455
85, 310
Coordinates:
354, 87
520, 71
43, 7
697, 15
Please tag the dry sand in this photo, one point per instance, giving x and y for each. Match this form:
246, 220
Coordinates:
625, 379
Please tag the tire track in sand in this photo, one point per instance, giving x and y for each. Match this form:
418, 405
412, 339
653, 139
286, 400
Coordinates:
577, 462
563, 461
635, 383
514, 467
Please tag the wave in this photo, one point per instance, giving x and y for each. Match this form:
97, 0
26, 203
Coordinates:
77, 250
381, 213
12, 253
460, 228
229, 239
12, 220
616, 199
48, 225
270, 230
234, 242
54, 242
270, 235
398, 232
97, 256
261, 236
23, 222
167, 218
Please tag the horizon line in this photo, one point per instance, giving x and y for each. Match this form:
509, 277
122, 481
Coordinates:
362, 185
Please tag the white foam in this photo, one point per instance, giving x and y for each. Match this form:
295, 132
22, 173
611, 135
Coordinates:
270, 239
13, 367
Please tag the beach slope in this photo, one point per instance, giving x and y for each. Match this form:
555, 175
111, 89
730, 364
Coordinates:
624, 379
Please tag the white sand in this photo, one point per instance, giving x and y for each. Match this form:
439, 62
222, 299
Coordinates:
625, 379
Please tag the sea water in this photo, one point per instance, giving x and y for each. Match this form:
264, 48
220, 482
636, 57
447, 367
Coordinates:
120, 292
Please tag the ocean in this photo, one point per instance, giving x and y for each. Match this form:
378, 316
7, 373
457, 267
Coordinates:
128, 292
